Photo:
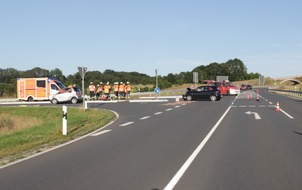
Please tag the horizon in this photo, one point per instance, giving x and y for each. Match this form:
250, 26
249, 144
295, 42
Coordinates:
141, 36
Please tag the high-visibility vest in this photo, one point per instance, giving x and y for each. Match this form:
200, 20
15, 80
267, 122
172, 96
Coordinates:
128, 88
116, 88
121, 87
100, 89
91, 88
106, 89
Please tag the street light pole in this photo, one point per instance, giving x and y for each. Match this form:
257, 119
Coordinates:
82, 71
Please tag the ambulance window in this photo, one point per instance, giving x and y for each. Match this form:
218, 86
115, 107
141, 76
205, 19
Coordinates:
41, 83
54, 87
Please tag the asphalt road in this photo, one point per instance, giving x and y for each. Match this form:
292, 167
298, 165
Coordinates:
236, 143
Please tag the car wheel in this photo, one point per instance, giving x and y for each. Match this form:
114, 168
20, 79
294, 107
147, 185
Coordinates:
74, 100
213, 98
189, 98
54, 101
30, 99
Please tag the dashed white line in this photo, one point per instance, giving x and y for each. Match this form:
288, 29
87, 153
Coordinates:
157, 113
169, 109
99, 133
177, 106
125, 124
146, 117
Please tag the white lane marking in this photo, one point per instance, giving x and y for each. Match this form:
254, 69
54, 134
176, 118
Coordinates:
255, 113
101, 132
186, 165
286, 114
270, 103
169, 109
125, 124
146, 117
177, 106
242, 106
157, 113
252, 106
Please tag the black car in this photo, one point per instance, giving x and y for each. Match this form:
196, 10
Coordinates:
203, 93
246, 87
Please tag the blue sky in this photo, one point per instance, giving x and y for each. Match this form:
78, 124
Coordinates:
143, 35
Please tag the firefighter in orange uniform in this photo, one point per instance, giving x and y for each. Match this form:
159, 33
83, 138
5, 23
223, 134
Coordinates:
121, 90
92, 90
99, 91
127, 89
107, 89
115, 89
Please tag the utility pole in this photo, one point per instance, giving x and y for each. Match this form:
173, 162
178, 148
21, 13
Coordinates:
82, 71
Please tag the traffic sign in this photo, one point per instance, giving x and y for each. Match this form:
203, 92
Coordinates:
157, 90
82, 71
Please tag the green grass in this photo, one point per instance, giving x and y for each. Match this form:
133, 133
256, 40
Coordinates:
25, 130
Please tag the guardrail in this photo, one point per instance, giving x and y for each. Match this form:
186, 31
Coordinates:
296, 94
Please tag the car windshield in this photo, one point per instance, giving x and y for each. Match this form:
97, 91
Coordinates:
214, 84
231, 84
62, 86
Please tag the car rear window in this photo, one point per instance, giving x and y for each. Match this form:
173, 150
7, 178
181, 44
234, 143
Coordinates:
76, 89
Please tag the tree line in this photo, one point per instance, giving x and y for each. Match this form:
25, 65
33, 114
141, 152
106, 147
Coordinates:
234, 68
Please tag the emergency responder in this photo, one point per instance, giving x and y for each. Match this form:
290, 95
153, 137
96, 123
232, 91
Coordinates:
99, 91
92, 90
121, 90
116, 89
107, 89
128, 89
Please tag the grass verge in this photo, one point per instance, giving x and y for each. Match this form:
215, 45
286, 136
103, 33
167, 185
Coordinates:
28, 130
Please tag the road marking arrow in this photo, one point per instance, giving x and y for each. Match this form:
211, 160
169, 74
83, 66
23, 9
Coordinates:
256, 114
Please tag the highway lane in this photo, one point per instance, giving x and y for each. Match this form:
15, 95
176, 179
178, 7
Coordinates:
141, 155
249, 153
243, 153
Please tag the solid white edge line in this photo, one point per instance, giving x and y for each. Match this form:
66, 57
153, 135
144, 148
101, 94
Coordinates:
185, 166
286, 114
59, 146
